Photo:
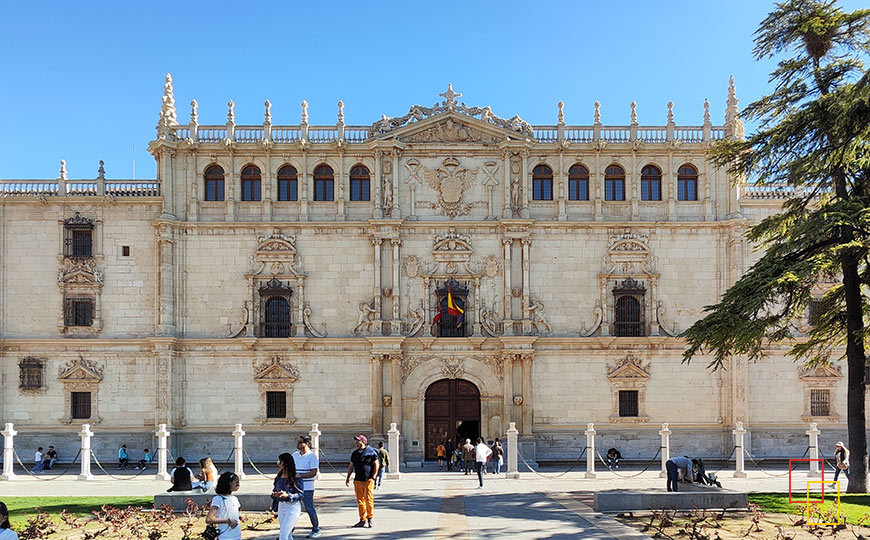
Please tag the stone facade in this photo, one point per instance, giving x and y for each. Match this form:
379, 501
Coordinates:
184, 284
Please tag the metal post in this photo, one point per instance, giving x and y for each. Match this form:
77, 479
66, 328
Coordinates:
239, 435
8, 452
395, 458
590, 450
162, 436
666, 449
512, 434
315, 445
813, 432
738, 450
86, 435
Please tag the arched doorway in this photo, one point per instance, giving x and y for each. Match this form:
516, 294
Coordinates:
452, 412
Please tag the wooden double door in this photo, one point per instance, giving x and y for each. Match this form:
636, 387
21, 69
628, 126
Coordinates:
452, 411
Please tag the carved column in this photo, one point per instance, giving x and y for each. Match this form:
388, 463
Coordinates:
506, 187
167, 182
396, 388
527, 191
563, 186
230, 189
268, 188
395, 212
508, 242
376, 243
597, 186
376, 186
303, 188
427, 321
164, 385
166, 307
476, 320
526, 279
343, 188
198, 180
669, 187
632, 189
298, 326
396, 325
378, 397
527, 394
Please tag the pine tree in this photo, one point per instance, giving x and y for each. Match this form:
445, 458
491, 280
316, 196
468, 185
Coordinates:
813, 136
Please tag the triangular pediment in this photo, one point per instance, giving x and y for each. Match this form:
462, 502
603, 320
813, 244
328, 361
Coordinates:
276, 371
827, 372
81, 371
630, 367
452, 128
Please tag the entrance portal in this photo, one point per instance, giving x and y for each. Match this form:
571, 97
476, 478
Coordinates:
452, 412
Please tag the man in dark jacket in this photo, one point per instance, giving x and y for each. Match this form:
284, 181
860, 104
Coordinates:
364, 465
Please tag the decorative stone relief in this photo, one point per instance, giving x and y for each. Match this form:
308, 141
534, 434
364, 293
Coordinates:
416, 322
535, 311
309, 325
276, 375
452, 367
628, 373
387, 186
496, 364
451, 131
450, 181
79, 270
824, 378
516, 185
409, 364
367, 315
81, 375
452, 247
412, 266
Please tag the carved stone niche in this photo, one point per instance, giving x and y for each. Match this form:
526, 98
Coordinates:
275, 264
452, 247
820, 385
628, 374
80, 375
276, 375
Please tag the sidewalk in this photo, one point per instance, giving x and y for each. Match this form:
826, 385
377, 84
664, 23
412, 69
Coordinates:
437, 504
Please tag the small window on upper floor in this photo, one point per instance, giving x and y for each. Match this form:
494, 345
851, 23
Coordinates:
288, 183
651, 183
251, 183
324, 180
687, 183
542, 183
614, 183
359, 184
78, 237
578, 183
214, 183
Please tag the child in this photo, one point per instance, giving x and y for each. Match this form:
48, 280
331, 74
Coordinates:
143, 463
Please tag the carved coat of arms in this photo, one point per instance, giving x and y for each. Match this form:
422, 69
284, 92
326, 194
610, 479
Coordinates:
450, 181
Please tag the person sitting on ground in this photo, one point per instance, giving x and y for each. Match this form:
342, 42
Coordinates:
207, 475
143, 463
181, 476
613, 457
123, 458
6, 532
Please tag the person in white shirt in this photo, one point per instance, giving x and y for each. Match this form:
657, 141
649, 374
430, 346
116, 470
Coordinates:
37, 458
481, 452
6, 532
307, 464
224, 509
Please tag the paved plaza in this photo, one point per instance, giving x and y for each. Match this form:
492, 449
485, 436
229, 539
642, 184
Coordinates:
438, 504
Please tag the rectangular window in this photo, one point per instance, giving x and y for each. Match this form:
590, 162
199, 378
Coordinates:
80, 405
813, 312
78, 312
250, 190
614, 190
628, 403
276, 404
31, 374
287, 190
542, 190
78, 242
125, 251
820, 402
578, 190
687, 189
650, 190
214, 190
323, 190
359, 190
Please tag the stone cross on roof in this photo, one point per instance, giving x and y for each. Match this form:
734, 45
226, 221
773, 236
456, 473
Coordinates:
450, 96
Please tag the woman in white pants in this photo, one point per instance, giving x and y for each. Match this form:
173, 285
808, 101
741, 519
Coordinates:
286, 496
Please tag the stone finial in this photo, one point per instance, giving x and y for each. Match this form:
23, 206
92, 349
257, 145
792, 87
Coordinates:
62, 170
450, 97
597, 116
670, 112
101, 172
268, 117
340, 112
304, 112
706, 111
167, 109
194, 114
634, 113
560, 117
733, 125
231, 112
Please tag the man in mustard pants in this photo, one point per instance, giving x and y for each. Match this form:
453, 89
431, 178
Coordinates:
364, 465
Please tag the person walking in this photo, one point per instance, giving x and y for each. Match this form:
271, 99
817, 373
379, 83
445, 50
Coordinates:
448, 448
384, 458
225, 508
675, 467
497, 453
842, 455
123, 458
37, 461
364, 466
286, 496
440, 451
481, 453
6, 532
307, 465
468, 455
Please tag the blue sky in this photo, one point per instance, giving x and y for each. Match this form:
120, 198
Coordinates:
83, 80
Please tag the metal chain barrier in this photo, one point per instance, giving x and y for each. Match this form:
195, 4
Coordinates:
526, 463
331, 466
825, 459
110, 475
649, 463
757, 466
49, 478
725, 463
226, 461
245, 450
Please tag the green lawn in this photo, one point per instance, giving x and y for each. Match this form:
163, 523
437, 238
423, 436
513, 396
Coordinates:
21, 507
853, 506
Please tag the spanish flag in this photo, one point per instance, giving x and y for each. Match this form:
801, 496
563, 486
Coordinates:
440, 312
454, 309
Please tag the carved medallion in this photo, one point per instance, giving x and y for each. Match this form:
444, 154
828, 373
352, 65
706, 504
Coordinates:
450, 181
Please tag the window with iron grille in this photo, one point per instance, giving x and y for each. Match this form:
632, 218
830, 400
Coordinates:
813, 312
276, 404
78, 312
628, 403
78, 233
820, 402
32, 374
629, 316
80, 405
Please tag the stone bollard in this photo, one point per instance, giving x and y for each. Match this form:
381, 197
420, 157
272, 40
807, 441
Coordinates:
738, 450
315, 445
512, 469
162, 453
813, 432
590, 450
239, 452
8, 452
395, 458
86, 435
666, 449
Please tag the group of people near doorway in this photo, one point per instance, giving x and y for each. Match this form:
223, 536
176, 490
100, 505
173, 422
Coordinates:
481, 457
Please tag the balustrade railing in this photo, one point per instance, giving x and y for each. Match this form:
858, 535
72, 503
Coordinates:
115, 188
717, 134
182, 132
133, 189
81, 188
773, 191
249, 135
689, 134
11, 188
322, 135
207, 134
546, 134
285, 134
356, 135
653, 135
579, 135
617, 134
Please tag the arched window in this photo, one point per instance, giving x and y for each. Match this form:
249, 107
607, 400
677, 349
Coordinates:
578, 183
359, 184
287, 183
542, 183
628, 308
277, 317
323, 183
214, 183
687, 183
251, 183
614, 183
651, 183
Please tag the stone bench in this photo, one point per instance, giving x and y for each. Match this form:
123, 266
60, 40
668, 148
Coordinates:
690, 496
250, 502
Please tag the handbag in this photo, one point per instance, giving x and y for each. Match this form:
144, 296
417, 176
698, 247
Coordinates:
211, 531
